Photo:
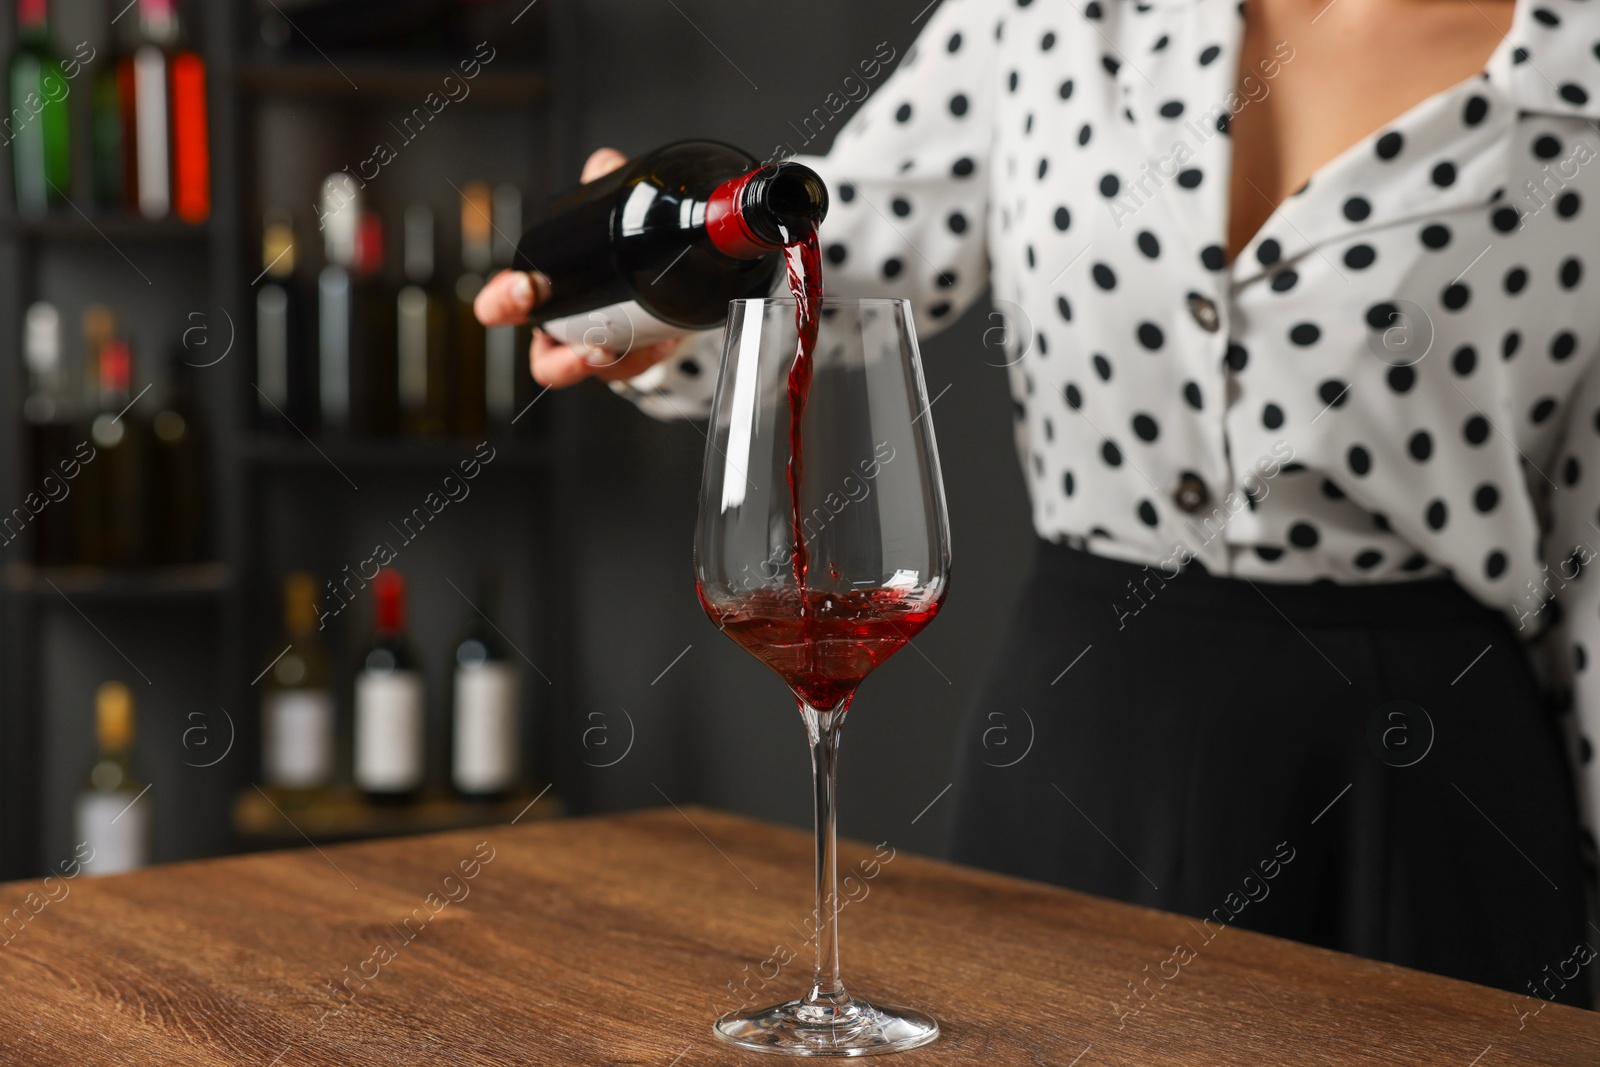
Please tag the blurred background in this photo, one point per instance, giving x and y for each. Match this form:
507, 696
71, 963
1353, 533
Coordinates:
179, 515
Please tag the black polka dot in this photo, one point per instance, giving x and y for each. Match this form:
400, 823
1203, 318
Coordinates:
1064, 308
1435, 236
1305, 333
1359, 257
1284, 280
1486, 498
1437, 515
1444, 174
847, 192
1475, 110
1268, 553
1574, 94
1065, 91
1189, 178
1083, 135
1161, 42
957, 222
1509, 344
1011, 85
903, 113
1546, 147
836, 254
1420, 446
1357, 208
1571, 472
1074, 397
1516, 280
1495, 564
1303, 535
1145, 427
958, 104
892, 267
1368, 559
1476, 430
1237, 357
1147, 513
1464, 360
900, 206
1455, 296
1415, 562
1209, 54
940, 310
1148, 244
1542, 409
690, 367
1112, 64
1562, 346
1331, 490
1191, 394
1381, 522
1172, 109
1571, 272
1067, 483
1111, 454
1150, 335
1334, 392
1546, 16
1401, 379
1567, 205
1388, 146
963, 167
1269, 252
1382, 316
1505, 219
945, 279
954, 44
1104, 276
1109, 185
1102, 367
1360, 460
1212, 257
1272, 416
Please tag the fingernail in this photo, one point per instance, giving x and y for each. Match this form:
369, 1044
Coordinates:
522, 290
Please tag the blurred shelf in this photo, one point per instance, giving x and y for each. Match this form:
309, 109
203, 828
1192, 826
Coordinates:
272, 817
351, 80
64, 224
397, 453
188, 581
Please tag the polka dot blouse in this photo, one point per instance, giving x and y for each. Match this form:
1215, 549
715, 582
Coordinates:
1396, 378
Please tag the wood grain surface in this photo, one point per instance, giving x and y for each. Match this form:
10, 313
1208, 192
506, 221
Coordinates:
617, 940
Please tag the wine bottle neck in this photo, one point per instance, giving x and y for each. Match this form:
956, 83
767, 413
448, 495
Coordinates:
728, 225
754, 214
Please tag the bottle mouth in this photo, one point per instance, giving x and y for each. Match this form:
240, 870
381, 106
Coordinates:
784, 202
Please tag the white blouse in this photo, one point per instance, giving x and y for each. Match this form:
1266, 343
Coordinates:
1396, 378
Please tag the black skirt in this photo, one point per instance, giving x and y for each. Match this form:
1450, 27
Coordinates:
1368, 768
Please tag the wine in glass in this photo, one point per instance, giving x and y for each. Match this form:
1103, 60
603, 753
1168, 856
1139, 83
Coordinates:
822, 548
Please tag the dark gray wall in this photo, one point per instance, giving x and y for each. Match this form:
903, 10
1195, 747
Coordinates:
718, 728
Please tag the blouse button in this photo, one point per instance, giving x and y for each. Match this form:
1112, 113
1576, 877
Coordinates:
1205, 313
1191, 494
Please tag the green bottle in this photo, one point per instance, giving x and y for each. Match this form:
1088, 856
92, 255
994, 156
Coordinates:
36, 127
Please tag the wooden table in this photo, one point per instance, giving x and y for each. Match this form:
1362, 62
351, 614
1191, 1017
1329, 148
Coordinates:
618, 939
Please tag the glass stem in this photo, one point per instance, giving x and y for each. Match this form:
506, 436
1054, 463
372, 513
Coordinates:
827, 1002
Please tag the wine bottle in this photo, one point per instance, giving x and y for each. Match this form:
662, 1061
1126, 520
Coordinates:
471, 339
297, 708
374, 373
276, 322
191, 145
177, 471
36, 126
121, 438
486, 739
419, 332
48, 413
108, 155
504, 346
659, 246
389, 766
112, 815
338, 214
142, 89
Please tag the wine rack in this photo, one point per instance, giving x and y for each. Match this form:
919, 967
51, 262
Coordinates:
190, 639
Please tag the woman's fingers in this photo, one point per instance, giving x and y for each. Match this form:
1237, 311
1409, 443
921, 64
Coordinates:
509, 297
558, 365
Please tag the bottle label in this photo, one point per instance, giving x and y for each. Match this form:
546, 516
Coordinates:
117, 829
297, 738
618, 327
388, 731
485, 728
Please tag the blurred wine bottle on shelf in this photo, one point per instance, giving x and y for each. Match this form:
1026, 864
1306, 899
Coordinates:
112, 815
163, 137
477, 256
389, 719
177, 471
704, 224
338, 213
374, 368
53, 462
115, 531
37, 124
285, 396
297, 704
486, 740
504, 346
424, 369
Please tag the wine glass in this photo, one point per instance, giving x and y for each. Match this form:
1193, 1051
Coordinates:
822, 577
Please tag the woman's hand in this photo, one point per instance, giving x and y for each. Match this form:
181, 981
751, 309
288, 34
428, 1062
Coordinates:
511, 295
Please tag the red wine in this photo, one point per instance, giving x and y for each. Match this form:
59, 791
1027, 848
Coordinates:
803, 259
824, 644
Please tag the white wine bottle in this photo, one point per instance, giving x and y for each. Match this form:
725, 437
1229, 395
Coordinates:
297, 707
113, 815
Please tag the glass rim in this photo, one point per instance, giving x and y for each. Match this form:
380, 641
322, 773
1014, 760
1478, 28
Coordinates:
827, 301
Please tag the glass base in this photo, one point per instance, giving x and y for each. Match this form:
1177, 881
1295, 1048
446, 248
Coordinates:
854, 1029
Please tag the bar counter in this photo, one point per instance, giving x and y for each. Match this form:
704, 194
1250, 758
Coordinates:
618, 939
